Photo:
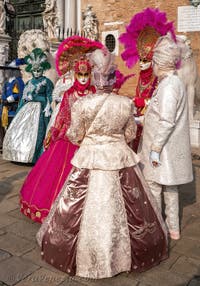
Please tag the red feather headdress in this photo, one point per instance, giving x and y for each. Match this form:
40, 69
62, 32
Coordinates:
71, 49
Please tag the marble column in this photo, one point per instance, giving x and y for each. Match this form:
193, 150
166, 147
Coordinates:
60, 16
70, 16
4, 49
78, 15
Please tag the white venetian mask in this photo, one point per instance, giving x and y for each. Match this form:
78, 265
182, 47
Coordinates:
144, 64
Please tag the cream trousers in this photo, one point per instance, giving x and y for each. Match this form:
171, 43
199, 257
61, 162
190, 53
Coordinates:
171, 201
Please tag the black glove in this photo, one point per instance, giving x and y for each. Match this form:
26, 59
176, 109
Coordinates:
5, 102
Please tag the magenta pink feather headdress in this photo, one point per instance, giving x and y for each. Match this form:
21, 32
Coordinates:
144, 23
71, 49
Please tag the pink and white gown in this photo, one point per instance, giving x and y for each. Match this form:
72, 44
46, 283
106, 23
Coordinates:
47, 177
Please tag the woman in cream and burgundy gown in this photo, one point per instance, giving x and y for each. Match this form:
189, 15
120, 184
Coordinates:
104, 221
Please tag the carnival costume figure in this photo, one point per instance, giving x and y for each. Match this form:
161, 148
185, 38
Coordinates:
12, 92
103, 222
23, 141
165, 148
63, 83
46, 179
139, 39
72, 47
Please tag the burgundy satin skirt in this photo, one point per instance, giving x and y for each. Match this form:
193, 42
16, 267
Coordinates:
121, 232
136, 141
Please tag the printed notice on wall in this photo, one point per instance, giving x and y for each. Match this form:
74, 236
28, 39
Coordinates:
188, 19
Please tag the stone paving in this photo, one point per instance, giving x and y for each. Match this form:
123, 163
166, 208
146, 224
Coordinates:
21, 264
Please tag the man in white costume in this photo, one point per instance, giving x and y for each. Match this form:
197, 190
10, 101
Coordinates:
165, 146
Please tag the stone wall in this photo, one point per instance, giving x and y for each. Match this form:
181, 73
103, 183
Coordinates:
108, 11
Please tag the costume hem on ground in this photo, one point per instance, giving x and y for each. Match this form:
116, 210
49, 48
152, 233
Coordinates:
80, 239
31, 211
46, 179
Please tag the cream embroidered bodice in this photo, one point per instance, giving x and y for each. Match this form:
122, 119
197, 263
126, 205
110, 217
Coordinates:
102, 125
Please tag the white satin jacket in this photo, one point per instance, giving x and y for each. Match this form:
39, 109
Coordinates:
166, 130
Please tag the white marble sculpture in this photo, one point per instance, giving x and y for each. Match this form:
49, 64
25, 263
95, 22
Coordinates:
189, 74
4, 48
188, 71
3, 54
50, 19
90, 24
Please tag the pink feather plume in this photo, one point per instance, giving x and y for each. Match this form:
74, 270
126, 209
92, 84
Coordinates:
148, 17
121, 79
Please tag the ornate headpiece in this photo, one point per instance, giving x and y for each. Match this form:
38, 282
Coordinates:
36, 59
167, 54
146, 41
83, 66
71, 49
103, 68
142, 33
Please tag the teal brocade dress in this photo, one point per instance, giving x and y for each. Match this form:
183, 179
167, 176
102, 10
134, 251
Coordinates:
23, 141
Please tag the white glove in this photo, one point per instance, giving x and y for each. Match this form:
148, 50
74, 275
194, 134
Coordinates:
147, 101
155, 159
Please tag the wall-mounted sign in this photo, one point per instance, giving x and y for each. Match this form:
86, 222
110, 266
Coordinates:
188, 19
